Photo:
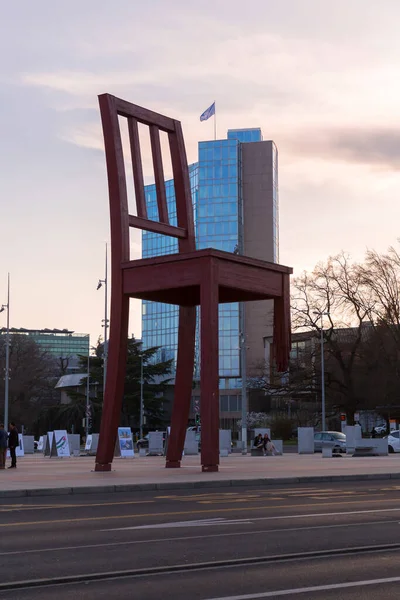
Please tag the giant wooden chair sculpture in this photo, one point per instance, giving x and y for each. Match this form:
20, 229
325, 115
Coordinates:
189, 278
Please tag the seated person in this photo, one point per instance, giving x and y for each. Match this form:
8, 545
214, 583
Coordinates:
268, 446
258, 441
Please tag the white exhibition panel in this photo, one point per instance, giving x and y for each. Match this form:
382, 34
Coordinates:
125, 443
156, 442
92, 441
74, 441
60, 444
353, 437
191, 446
225, 440
305, 437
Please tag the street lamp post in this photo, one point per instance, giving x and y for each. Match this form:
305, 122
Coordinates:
141, 396
244, 377
88, 410
105, 320
7, 369
321, 315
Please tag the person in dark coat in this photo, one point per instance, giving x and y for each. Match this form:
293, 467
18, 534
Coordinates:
13, 442
3, 446
258, 441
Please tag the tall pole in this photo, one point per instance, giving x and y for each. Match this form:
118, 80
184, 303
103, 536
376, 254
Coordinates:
322, 374
105, 351
7, 370
87, 392
215, 121
141, 396
244, 377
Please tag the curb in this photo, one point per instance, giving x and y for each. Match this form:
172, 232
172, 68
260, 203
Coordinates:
193, 485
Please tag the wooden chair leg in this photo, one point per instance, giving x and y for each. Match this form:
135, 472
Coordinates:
116, 369
183, 385
209, 374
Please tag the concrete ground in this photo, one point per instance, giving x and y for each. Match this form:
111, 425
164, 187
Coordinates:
37, 475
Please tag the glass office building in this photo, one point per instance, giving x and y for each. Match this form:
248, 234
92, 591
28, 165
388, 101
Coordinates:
232, 180
160, 321
58, 343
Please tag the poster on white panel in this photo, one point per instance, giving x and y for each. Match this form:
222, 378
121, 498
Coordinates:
60, 443
88, 444
19, 450
125, 442
40, 444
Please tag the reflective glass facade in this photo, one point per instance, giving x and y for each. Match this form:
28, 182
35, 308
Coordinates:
160, 321
219, 225
216, 184
58, 343
245, 135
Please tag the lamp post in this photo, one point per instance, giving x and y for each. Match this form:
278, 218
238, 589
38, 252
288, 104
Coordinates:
88, 410
105, 321
141, 410
321, 315
7, 369
244, 377
141, 396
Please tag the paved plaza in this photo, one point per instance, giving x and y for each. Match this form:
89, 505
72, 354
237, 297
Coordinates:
37, 475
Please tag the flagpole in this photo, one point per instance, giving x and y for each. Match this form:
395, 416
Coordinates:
215, 121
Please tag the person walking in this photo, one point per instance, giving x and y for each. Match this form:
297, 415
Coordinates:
13, 442
3, 446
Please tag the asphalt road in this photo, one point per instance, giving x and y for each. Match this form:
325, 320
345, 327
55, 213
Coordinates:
316, 541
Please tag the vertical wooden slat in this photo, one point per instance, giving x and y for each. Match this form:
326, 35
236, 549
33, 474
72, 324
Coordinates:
159, 174
137, 167
209, 382
183, 195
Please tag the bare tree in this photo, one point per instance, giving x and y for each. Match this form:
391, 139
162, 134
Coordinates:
336, 291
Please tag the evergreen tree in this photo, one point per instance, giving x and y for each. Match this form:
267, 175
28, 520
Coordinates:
155, 381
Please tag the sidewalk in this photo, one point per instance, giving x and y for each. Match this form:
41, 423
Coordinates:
39, 476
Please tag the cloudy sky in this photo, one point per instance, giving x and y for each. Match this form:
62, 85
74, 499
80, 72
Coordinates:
321, 78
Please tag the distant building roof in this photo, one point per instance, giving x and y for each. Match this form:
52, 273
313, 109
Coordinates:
72, 380
46, 330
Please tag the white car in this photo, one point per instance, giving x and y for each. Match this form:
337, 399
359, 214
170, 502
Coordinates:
393, 441
380, 429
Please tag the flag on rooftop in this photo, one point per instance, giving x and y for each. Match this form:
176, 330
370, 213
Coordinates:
209, 112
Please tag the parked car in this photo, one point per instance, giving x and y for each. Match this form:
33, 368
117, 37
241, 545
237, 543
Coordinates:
393, 441
330, 439
144, 441
380, 429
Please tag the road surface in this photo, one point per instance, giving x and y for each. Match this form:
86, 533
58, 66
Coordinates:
316, 541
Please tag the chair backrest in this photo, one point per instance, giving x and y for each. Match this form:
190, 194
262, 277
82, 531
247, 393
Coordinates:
110, 108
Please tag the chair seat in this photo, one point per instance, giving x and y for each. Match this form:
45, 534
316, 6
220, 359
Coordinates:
177, 278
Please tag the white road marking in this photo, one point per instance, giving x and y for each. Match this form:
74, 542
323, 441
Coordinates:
312, 589
208, 522
199, 523
194, 537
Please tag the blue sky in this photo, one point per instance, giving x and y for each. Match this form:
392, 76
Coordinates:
320, 78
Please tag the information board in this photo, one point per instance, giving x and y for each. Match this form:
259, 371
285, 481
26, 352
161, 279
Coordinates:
125, 442
60, 445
